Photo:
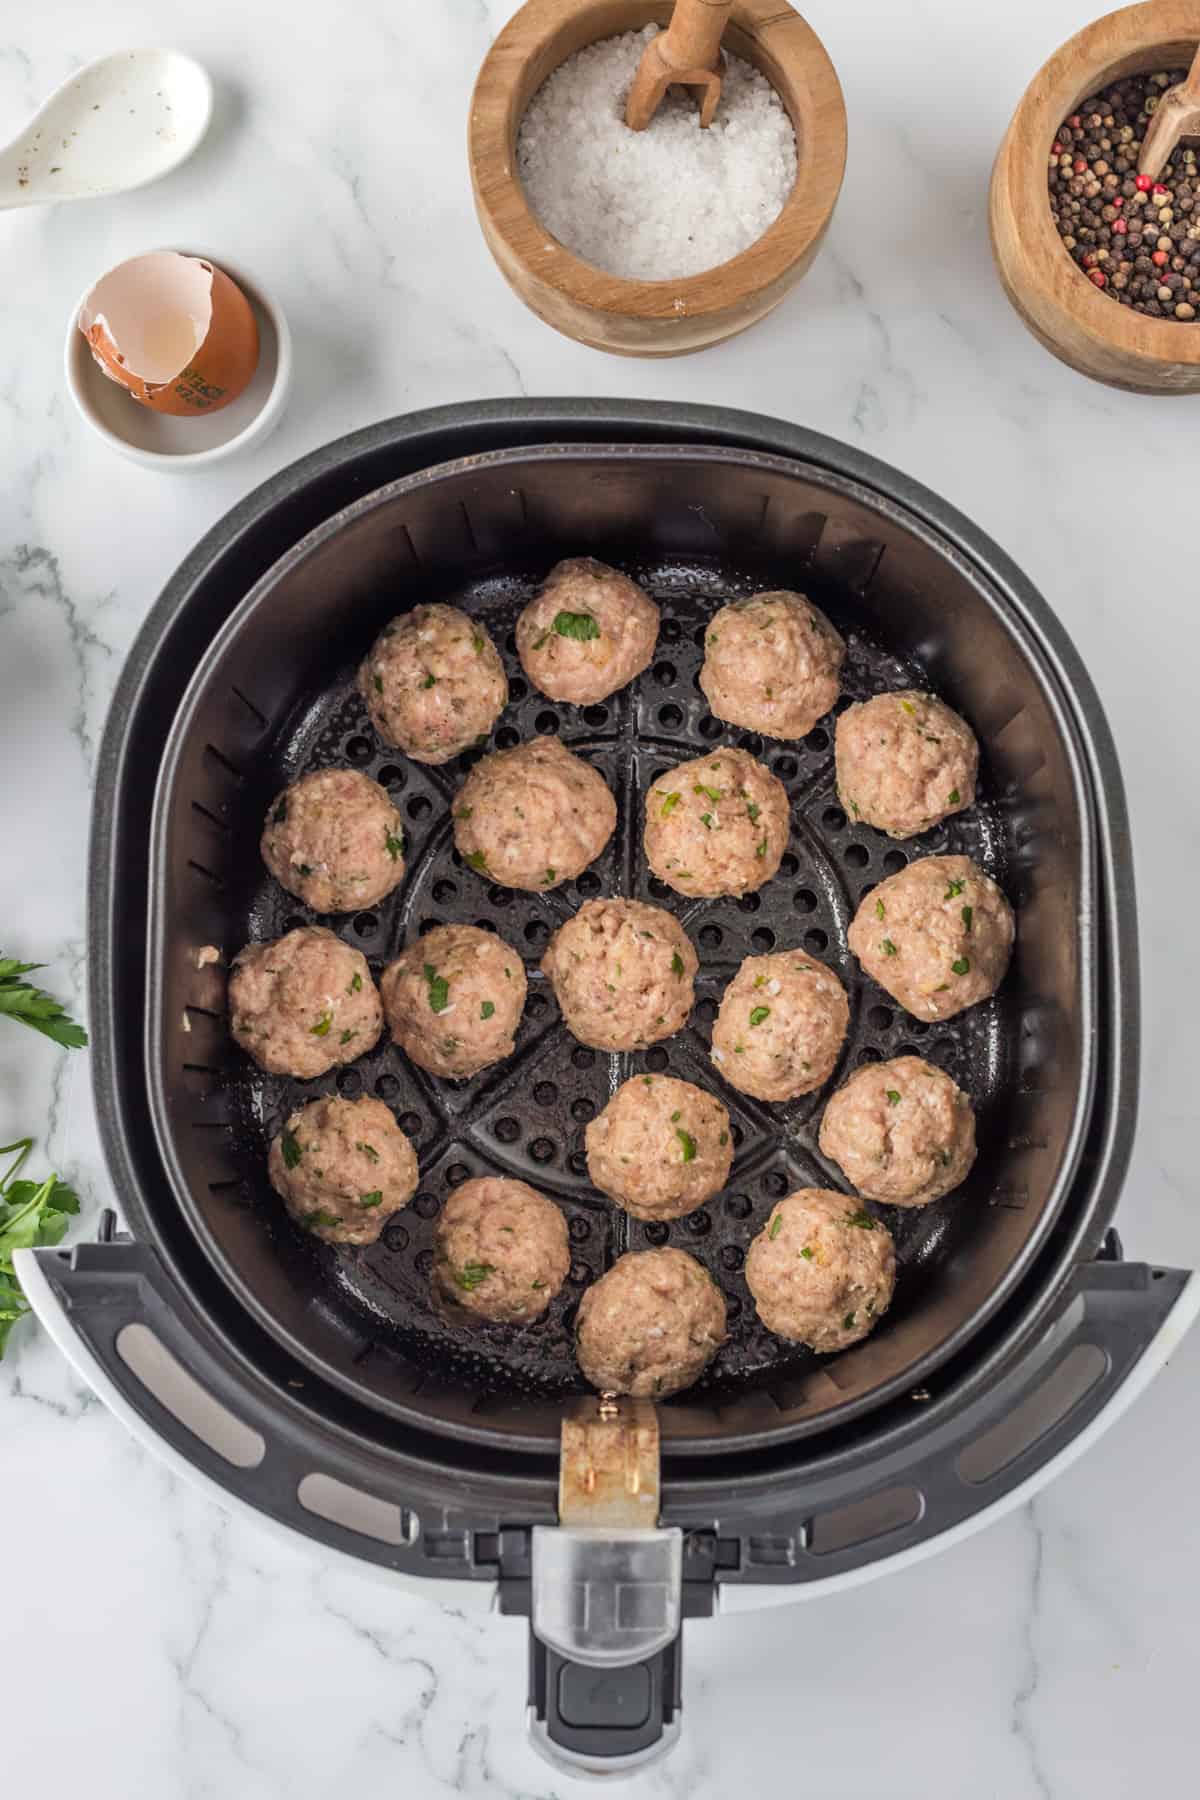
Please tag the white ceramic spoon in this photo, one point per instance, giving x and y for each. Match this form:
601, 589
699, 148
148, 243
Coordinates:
117, 124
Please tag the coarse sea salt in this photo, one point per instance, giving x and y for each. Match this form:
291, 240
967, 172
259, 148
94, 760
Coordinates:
663, 203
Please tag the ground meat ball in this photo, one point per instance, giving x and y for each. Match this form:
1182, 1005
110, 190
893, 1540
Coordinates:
901, 1131
937, 936
660, 1148
454, 999
651, 1326
304, 1003
781, 1026
821, 1270
433, 683
501, 1250
716, 825
622, 973
335, 840
905, 762
772, 664
534, 816
342, 1168
587, 633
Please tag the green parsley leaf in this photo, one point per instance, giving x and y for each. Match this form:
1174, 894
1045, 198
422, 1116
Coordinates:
21, 1000
536, 1286
888, 948
879, 912
723, 1139
688, 1143
706, 821
322, 1218
439, 989
475, 859
670, 802
31, 1214
549, 878
368, 1150
306, 869
374, 1198
429, 681
477, 644
464, 812
806, 1253
486, 1008
909, 707
713, 794
962, 966
968, 913
893, 1097
355, 984
393, 845
775, 1227
348, 1037
541, 640
848, 1321
760, 850
580, 626
290, 1148
280, 813
955, 797
473, 1275
677, 965
752, 813
378, 679
955, 888
861, 1219
758, 1014
321, 1028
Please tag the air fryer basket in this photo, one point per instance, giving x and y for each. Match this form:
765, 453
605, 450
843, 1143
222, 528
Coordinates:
274, 696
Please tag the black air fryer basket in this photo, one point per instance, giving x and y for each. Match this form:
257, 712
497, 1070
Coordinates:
374, 1423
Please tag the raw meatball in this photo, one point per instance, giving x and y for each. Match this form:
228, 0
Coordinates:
454, 999
587, 633
781, 1027
901, 1131
501, 1250
622, 973
651, 1326
433, 683
821, 1270
660, 1148
905, 762
342, 1168
716, 825
304, 1003
534, 816
335, 840
937, 936
772, 664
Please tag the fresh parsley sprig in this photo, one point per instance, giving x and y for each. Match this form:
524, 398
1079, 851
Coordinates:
31, 1214
21, 1000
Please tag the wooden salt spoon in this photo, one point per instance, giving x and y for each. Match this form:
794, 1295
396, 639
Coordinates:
686, 54
1177, 116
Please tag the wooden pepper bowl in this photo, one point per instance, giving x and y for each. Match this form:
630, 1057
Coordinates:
653, 318
1065, 312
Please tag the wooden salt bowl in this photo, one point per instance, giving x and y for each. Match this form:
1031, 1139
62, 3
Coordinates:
1074, 320
653, 318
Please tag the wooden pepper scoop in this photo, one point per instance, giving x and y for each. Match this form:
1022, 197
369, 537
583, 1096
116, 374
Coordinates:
1177, 116
686, 54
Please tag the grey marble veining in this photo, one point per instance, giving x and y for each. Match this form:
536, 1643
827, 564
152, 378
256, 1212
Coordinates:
153, 1647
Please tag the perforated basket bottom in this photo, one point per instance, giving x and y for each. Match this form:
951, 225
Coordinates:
526, 1117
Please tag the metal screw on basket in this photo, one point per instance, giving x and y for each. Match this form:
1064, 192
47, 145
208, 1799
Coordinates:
687, 54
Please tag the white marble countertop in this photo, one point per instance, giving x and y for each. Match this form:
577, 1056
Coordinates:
151, 1645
